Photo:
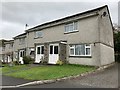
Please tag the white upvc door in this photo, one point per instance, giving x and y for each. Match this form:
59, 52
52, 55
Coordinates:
9, 59
39, 53
21, 54
53, 53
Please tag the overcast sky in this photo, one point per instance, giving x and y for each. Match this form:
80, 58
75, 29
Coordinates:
16, 14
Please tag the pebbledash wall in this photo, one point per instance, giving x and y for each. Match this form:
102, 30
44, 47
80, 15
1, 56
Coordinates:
93, 29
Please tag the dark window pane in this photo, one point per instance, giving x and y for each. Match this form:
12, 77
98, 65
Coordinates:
23, 53
20, 54
72, 51
51, 49
55, 49
42, 49
32, 53
87, 51
38, 50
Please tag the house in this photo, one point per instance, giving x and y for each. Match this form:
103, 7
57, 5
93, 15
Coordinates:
2, 49
84, 38
8, 51
6, 54
20, 47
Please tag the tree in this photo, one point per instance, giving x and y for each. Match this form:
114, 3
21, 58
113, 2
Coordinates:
117, 46
117, 42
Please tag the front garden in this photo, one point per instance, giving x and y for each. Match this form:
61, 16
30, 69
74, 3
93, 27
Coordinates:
44, 72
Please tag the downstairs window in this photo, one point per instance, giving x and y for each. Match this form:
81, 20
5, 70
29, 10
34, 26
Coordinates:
80, 50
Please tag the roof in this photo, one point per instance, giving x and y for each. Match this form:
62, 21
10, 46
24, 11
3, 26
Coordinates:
9, 41
3, 42
68, 17
20, 35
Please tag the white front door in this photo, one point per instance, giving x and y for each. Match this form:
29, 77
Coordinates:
8, 57
21, 54
39, 53
53, 53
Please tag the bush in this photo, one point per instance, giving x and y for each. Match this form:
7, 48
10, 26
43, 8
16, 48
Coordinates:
16, 62
59, 62
27, 59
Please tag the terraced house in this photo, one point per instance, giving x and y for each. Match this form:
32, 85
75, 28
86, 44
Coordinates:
7, 47
84, 38
21, 47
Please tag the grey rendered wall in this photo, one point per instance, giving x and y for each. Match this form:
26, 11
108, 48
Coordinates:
105, 27
7, 49
107, 54
88, 32
106, 39
18, 46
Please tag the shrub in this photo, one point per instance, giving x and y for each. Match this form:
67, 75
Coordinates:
16, 62
59, 62
117, 58
27, 59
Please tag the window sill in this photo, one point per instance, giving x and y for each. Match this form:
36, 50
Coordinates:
37, 37
71, 32
81, 56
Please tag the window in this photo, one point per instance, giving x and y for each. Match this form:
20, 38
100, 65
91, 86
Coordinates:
42, 49
10, 46
22, 40
55, 49
38, 50
72, 49
38, 34
80, 50
51, 49
20, 54
71, 27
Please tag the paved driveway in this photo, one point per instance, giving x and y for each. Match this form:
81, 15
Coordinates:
11, 81
107, 78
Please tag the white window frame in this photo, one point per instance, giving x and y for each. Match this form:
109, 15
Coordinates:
73, 28
73, 47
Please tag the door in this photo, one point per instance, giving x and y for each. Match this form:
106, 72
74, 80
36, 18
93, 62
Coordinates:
53, 53
21, 54
39, 53
8, 57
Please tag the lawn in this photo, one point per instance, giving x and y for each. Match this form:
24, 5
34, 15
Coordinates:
46, 72
8, 69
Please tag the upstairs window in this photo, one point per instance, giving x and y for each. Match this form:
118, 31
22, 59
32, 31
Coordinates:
38, 34
22, 40
10, 46
80, 50
71, 27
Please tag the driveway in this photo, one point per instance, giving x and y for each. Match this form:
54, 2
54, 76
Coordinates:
107, 78
11, 81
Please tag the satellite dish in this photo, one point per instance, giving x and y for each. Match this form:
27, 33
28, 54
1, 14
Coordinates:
104, 14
